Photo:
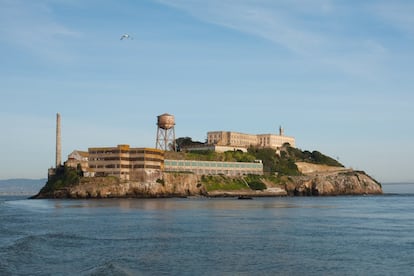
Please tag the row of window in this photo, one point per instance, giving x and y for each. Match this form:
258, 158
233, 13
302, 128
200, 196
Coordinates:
112, 166
242, 165
131, 159
114, 151
115, 173
216, 172
117, 151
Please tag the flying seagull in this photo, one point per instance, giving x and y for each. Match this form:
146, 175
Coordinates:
126, 36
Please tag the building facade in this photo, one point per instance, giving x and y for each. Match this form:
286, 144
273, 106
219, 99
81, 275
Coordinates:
274, 141
78, 157
230, 138
136, 164
124, 162
141, 164
242, 140
213, 167
215, 148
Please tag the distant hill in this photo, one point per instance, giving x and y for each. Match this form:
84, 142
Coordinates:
21, 186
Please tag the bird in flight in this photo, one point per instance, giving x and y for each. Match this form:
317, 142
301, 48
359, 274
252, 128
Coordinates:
126, 36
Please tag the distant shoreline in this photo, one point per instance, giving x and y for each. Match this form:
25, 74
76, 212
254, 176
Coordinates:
398, 183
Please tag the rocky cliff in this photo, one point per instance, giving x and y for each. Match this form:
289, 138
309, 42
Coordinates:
331, 182
336, 183
152, 186
320, 179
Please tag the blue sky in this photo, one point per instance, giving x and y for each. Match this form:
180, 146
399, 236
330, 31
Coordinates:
337, 75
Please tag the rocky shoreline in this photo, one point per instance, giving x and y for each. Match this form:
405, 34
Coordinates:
332, 183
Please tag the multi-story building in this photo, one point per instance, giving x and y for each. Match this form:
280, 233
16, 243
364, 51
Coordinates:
214, 167
137, 163
230, 138
242, 140
124, 162
274, 141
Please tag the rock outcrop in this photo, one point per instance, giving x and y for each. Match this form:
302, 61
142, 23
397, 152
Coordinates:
331, 182
151, 186
322, 180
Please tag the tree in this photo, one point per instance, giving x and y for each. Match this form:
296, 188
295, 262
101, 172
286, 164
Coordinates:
184, 142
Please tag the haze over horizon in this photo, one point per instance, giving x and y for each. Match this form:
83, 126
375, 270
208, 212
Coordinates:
337, 75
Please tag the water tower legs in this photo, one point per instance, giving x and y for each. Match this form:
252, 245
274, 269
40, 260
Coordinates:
166, 139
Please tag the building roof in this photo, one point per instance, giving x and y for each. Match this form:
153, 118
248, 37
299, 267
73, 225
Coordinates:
83, 153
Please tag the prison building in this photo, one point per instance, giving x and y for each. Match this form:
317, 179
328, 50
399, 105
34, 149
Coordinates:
216, 148
213, 167
231, 138
274, 141
239, 140
124, 162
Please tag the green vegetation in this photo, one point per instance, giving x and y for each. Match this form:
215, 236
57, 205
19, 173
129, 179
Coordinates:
284, 162
209, 155
247, 182
64, 177
255, 182
312, 157
184, 142
223, 183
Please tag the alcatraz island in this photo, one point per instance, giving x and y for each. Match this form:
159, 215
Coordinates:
228, 164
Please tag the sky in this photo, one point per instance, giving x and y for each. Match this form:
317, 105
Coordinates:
337, 75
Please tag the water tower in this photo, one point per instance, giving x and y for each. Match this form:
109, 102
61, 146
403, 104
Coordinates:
165, 132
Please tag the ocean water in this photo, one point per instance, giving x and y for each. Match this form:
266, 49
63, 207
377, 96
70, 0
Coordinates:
344, 235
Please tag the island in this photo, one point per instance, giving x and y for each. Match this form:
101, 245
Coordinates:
228, 164
151, 173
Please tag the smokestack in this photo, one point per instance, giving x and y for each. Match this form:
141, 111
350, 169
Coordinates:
58, 142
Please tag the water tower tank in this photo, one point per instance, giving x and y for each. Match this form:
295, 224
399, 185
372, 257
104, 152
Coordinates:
165, 121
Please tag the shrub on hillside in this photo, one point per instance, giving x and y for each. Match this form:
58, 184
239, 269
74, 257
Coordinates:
64, 176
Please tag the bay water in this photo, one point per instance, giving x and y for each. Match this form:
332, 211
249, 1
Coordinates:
342, 235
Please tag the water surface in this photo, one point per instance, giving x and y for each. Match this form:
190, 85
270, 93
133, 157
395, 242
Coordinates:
345, 235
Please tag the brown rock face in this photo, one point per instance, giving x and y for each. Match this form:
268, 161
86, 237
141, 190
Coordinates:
339, 183
157, 184
170, 185
154, 184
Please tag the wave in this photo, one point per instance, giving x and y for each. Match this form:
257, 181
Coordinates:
57, 252
34, 248
30, 241
108, 268
56, 240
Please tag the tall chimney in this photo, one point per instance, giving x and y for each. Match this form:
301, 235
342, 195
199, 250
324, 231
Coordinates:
58, 142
